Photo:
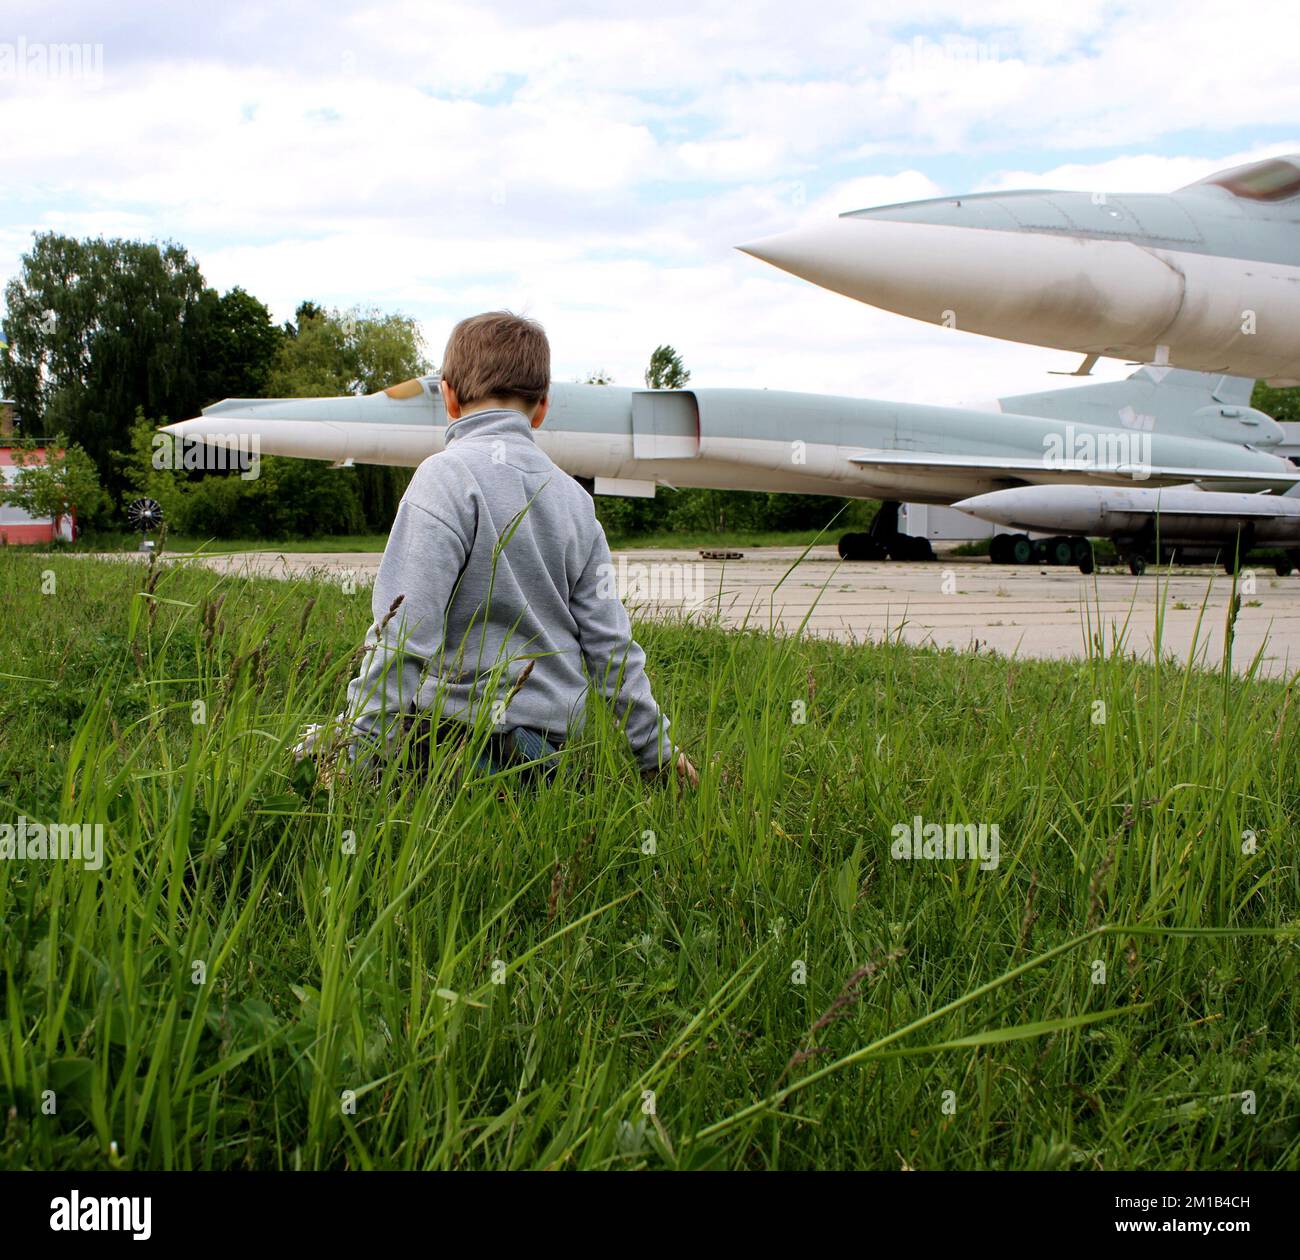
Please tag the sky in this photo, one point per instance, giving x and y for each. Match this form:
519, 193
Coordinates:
595, 165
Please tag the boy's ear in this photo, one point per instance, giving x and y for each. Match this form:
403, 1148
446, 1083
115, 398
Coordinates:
450, 401
540, 414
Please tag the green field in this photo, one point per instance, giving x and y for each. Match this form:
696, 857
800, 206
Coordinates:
278, 970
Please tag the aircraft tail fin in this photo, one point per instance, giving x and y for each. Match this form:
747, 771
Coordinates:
1163, 400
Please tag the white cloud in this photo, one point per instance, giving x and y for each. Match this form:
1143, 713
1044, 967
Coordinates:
1139, 172
598, 164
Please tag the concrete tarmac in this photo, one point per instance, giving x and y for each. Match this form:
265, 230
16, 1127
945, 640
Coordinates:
965, 604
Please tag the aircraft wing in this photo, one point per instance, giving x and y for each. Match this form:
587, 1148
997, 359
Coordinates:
1068, 471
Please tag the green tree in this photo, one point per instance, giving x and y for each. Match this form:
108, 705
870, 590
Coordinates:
627, 517
97, 328
55, 481
666, 370
1281, 404
359, 351
305, 311
239, 346
101, 329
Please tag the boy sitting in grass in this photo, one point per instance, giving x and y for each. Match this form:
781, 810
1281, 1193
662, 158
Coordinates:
495, 588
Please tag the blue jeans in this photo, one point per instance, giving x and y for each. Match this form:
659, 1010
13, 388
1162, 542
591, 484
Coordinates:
537, 751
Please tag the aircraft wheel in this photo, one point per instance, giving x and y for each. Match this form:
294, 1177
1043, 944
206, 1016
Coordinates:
860, 547
1041, 554
1000, 548
1061, 551
1137, 565
1282, 568
1232, 564
1083, 551
904, 547
1022, 550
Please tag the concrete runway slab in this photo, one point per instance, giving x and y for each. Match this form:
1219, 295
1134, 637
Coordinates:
966, 604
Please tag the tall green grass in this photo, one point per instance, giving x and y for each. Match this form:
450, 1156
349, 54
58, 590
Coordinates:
460, 973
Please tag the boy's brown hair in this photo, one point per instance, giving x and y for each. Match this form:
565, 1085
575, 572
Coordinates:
498, 355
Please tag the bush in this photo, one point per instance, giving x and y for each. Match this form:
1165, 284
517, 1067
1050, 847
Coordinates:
302, 498
213, 507
700, 511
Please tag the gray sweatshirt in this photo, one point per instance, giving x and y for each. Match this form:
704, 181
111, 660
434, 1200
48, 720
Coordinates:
501, 560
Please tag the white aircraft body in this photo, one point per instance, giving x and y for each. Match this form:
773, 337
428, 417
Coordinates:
1158, 428
1206, 278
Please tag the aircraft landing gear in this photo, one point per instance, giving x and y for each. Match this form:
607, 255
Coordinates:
1238, 549
1061, 550
1137, 564
1011, 549
884, 540
1021, 549
860, 547
905, 547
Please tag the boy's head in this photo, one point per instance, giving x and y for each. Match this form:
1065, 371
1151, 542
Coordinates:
497, 359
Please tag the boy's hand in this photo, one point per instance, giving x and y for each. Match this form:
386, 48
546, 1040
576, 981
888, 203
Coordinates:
317, 740
682, 767
308, 742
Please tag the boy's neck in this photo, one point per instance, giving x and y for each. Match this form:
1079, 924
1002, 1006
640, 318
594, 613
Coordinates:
503, 421
491, 404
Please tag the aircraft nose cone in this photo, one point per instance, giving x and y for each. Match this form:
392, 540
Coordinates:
1034, 287
773, 249
818, 253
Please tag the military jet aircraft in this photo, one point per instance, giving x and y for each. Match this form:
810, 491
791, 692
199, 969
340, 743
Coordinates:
1206, 277
1157, 428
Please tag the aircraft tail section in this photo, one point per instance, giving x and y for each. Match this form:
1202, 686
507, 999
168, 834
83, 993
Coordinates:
1160, 400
